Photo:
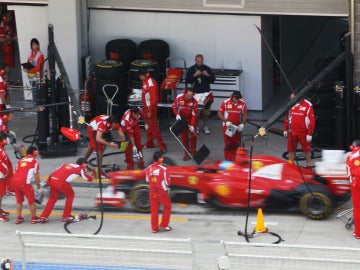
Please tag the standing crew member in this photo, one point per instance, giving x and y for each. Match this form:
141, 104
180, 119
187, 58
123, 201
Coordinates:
353, 170
27, 169
159, 181
5, 175
185, 107
3, 89
10, 137
59, 182
149, 98
233, 113
130, 123
97, 127
298, 127
36, 58
201, 76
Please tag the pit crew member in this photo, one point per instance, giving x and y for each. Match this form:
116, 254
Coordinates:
5, 175
159, 181
97, 127
149, 98
233, 113
185, 107
299, 125
130, 124
59, 182
353, 170
27, 169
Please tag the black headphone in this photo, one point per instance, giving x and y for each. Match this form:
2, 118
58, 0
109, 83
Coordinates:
5, 264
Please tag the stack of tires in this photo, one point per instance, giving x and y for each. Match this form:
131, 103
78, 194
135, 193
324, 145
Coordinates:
149, 65
155, 49
124, 50
111, 87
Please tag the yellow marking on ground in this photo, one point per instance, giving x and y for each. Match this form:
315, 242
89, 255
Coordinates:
182, 204
80, 179
110, 216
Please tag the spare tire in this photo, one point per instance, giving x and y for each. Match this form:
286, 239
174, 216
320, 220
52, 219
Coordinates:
149, 65
109, 70
124, 50
155, 49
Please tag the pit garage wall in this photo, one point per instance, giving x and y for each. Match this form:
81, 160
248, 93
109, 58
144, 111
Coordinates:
229, 40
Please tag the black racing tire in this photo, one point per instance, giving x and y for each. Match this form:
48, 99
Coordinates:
155, 49
124, 50
109, 70
316, 202
139, 198
149, 65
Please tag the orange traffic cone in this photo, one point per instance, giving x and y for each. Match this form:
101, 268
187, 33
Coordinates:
260, 223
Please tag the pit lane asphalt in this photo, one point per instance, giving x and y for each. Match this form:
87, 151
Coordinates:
204, 225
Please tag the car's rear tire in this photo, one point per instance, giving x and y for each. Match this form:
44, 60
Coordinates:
139, 198
316, 203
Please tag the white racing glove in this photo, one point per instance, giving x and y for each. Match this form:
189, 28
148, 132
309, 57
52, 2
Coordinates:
178, 117
308, 138
285, 134
240, 127
146, 126
191, 128
228, 123
134, 148
8, 106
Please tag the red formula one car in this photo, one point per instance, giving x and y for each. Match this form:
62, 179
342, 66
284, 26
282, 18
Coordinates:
275, 185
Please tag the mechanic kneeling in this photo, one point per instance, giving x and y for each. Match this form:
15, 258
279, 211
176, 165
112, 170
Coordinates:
159, 181
353, 169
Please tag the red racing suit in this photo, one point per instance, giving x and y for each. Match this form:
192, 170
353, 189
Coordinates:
233, 112
8, 36
299, 123
188, 110
59, 182
26, 169
132, 129
353, 170
5, 171
3, 92
99, 123
149, 98
158, 179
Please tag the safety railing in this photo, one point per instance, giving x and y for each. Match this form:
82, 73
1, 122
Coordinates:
269, 256
79, 251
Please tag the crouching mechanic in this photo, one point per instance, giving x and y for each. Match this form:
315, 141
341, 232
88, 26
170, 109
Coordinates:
97, 127
130, 123
353, 170
233, 113
27, 169
159, 181
59, 182
185, 107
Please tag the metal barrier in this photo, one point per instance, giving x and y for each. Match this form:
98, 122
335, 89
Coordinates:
268, 256
79, 251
